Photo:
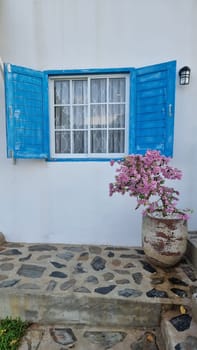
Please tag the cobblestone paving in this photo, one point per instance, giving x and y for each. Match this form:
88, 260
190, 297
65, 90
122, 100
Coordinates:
108, 272
100, 270
64, 338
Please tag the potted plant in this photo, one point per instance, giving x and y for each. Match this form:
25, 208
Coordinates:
164, 226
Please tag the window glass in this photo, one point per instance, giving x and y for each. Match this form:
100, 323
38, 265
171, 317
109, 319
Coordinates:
61, 92
80, 120
98, 141
90, 116
117, 116
98, 116
79, 91
80, 144
98, 90
62, 117
116, 141
117, 90
62, 142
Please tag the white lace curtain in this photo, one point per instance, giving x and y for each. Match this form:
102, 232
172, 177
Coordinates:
90, 115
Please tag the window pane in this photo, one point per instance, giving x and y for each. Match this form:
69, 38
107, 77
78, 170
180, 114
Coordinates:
98, 116
98, 141
80, 117
62, 92
90, 115
62, 142
80, 142
62, 117
80, 91
116, 141
98, 90
116, 116
117, 90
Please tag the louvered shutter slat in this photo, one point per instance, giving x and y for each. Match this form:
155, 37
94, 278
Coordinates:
26, 113
153, 116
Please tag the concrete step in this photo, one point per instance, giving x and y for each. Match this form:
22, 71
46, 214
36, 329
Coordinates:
80, 309
99, 286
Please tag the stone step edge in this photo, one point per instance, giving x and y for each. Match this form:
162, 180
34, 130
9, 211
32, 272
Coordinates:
80, 310
142, 299
184, 338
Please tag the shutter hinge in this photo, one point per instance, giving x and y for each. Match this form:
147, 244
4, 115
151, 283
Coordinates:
170, 110
10, 111
1, 65
9, 68
11, 154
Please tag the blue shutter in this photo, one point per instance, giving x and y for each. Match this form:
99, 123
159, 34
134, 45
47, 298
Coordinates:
152, 108
26, 113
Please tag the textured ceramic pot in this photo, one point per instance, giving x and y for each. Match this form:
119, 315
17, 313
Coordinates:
164, 239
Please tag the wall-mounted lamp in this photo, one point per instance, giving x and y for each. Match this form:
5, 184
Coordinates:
184, 75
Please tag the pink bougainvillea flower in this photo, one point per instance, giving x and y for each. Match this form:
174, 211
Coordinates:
143, 177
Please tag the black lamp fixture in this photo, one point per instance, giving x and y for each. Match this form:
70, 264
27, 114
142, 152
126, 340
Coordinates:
184, 75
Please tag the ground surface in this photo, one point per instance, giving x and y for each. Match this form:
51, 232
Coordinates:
91, 297
86, 338
99, 270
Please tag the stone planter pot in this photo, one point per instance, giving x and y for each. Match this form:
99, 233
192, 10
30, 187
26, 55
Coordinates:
2, 238
164, 239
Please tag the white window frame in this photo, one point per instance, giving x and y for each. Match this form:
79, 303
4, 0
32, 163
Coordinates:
52, 124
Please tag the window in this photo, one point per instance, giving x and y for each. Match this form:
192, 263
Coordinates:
89, 114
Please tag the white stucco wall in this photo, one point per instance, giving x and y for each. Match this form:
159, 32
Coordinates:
69, 202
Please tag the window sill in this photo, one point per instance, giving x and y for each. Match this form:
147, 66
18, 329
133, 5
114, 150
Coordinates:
82, 159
